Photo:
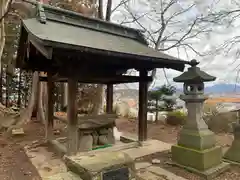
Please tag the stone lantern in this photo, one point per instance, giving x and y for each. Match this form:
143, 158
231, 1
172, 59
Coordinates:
232, 155
196, 149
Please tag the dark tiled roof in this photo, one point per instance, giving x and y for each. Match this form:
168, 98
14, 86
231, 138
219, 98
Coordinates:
56, 27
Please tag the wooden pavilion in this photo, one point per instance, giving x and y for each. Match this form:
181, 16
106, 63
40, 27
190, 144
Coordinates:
73, 48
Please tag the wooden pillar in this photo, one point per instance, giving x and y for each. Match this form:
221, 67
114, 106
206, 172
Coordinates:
50, 106
142, 112
72, 145
109, 99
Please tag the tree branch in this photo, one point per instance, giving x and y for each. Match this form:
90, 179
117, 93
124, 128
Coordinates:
123, 2
100, 9
108, 11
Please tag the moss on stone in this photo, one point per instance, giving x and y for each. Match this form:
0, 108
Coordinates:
200, 160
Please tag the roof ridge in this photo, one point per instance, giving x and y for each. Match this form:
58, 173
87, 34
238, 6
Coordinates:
93, 22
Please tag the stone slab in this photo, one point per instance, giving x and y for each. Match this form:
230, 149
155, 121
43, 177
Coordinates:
114, 148
208, 174
128, 137
18, 131
63, 176
147, 148
46, 163
231, 162
146, 175
164, 173
142, 165
91, 167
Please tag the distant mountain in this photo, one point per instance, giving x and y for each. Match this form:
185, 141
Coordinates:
221, 88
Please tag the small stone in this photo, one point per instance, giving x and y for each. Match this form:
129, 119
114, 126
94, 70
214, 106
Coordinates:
18, 131
110, 136
102, 140
95, 138
85, 143
56, 132
156, 161
48, 169
31, 156
35, 142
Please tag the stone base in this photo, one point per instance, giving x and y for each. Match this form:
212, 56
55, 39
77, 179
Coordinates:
232, 153
94, 167
207, 174
200, 160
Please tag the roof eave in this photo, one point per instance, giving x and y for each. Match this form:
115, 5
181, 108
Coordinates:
174, 63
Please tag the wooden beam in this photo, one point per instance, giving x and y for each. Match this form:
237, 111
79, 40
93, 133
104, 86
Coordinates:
109, 99
142, 112
50, 110
45, 51
72, 143
105, 80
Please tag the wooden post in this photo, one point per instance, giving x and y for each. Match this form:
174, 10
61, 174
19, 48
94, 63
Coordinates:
72, 146
109, 99
142, 112
50, 110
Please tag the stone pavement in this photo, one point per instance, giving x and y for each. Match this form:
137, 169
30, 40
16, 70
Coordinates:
52, 168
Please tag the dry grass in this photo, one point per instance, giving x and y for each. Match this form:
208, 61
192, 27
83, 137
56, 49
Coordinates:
218, 122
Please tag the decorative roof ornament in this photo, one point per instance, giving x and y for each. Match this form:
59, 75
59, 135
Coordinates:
41, 14
194, 75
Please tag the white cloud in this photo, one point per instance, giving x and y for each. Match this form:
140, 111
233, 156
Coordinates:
221, 65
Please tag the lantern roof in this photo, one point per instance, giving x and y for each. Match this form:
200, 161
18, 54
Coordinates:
194, 74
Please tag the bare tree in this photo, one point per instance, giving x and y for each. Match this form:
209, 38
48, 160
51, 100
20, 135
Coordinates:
172, 26
4, 9
225, 19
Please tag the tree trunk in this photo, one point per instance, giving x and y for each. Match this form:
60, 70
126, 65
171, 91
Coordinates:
62, 96
98, 100
65, 99
7, 91
98, 107
1, 85
41, 116
3, 8
26, 114
42, 101
19, 89
156, 118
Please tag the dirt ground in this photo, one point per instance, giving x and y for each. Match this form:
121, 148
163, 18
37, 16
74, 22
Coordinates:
166, 133
15, 165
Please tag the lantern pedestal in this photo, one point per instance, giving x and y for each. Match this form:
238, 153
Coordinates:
206, 163
233, 155
196, 151
199, 160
